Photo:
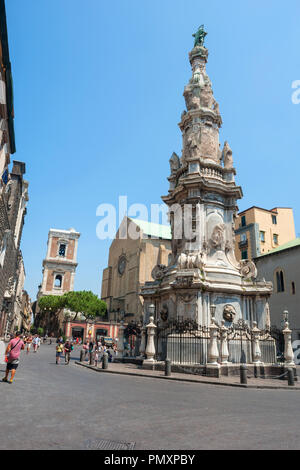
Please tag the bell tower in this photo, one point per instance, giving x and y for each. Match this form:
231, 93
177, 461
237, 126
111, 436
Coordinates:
60, 263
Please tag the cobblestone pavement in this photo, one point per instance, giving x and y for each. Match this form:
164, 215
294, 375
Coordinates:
53, 406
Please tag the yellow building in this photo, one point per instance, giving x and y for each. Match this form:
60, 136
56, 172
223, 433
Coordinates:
259, 231
137, 248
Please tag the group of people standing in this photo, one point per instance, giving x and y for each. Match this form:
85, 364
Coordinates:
98, 349
66, 347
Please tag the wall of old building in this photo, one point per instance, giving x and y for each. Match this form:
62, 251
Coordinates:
121, 290
286, 261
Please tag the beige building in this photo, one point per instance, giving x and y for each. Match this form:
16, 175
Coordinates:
259, 231
137, 248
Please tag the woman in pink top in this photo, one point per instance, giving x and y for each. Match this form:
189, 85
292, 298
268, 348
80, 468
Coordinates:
12, 354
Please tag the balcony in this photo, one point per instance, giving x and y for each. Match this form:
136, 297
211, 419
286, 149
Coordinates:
243, 244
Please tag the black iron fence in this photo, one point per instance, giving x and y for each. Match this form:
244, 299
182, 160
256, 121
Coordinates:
186, 342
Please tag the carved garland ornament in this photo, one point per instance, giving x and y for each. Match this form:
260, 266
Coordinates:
159, 271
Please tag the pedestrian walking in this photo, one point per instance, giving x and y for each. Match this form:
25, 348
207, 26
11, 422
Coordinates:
28, 341
59, 351
68, 350
12, 354
35, 343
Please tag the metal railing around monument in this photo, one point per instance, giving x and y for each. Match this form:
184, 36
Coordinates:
186, 342
182, 341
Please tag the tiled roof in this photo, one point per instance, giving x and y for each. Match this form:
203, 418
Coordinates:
285, 246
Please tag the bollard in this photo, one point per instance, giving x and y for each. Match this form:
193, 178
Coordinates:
81, 355
91, 358
243, 374
167, 367
291, 379
105, 361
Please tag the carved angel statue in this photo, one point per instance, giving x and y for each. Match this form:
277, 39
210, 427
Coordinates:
193, 141
227, 156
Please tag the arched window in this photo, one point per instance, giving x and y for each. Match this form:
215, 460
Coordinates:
58, 281
293, 288
279, 281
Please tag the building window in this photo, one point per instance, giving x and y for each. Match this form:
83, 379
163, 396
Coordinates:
243, 220
262, 236
293, 288
279, 281
243, 237
62, 250
58, 281
245, 254
274, 219
275, 239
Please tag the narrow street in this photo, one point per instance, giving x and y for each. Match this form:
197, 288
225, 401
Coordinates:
53, 406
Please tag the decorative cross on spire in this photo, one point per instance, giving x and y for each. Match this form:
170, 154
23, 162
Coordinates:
199, 36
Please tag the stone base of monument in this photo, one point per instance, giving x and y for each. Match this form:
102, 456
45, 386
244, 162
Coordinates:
261, 371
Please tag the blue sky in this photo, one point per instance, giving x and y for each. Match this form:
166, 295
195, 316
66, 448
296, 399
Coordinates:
98, 95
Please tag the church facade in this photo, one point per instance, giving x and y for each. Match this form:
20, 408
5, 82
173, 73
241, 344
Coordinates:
137, 248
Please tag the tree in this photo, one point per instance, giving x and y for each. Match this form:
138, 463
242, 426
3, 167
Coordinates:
50, 306
84, 302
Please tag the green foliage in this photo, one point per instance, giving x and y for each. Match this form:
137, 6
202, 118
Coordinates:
40, 331
84, 302
52, 303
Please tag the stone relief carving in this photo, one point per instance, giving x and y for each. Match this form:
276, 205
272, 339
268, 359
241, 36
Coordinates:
207, 98
183, 281
192, 101
186, 298
248, 269
193, 142
229, 313
228, 246
216, 107
217, 240
227, 156
159, 271
190, 261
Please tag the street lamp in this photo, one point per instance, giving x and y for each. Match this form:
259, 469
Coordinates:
212, 310
285, 316
151, 310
